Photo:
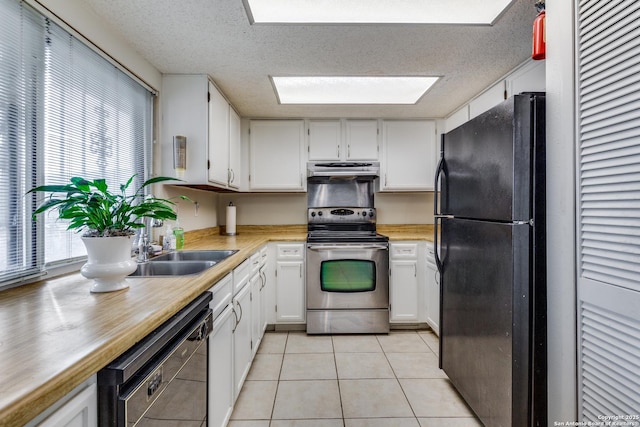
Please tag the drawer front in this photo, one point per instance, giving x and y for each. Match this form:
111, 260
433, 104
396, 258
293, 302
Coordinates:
290, 251
241, 275
222, 292
263, 255
404, 251
254, 260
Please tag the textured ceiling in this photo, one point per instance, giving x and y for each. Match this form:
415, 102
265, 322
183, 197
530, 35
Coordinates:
214, 37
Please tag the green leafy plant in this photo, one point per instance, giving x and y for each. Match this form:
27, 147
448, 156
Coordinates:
90, 206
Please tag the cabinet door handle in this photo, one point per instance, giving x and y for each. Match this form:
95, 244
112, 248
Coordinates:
415, 270
338, 151
300, 270
348, 151
233, 309
241, 312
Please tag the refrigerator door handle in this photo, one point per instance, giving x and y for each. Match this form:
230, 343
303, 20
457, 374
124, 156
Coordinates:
439, 169
436, 246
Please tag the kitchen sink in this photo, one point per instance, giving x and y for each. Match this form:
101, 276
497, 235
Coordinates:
171, 268
204, 255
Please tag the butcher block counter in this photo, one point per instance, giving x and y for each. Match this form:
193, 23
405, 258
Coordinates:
54, 334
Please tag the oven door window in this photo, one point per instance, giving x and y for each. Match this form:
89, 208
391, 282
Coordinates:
348, 275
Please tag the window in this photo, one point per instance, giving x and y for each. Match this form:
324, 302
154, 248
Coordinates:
64, 111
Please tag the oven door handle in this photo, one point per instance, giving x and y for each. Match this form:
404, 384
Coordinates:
345, 247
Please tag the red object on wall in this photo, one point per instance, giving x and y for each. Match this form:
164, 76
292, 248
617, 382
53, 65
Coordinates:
539, 50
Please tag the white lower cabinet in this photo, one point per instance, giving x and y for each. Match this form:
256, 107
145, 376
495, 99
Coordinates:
406, 282
404, 291
237, 331
290, 283
81, 410
242, 354
256, 316
221, 397
221, 392
433, 291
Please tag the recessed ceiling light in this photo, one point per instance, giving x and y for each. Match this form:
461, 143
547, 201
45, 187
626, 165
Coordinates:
351, 90
473, 12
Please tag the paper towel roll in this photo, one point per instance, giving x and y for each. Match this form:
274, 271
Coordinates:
231, 220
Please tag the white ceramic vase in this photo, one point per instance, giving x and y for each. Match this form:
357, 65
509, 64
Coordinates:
109, 262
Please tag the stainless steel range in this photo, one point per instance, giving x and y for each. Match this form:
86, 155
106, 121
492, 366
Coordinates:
347, 261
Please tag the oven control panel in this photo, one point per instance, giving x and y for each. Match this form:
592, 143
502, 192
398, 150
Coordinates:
341, 215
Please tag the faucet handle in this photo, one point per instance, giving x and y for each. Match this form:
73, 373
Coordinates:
156, 223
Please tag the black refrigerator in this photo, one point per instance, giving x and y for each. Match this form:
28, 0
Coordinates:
492, 259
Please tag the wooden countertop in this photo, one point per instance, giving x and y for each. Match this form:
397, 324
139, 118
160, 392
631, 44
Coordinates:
55, 333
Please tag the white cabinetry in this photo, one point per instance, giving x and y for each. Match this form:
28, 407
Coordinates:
325, 139
343, 140
235, 142
256, 303
193, 107
221, 380
408, 155
406, 282
77, 409
276, 156
290, 282
432, 291
242, 354
264, 289
218, 137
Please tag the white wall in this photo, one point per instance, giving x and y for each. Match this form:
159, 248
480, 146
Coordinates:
287, 208
205, 215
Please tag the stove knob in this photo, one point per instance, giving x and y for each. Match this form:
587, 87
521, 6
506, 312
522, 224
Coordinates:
319, 213
364, 213
313, 214
370, 213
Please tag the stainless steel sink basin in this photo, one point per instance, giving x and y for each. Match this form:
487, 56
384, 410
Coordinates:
205, 255
172, 268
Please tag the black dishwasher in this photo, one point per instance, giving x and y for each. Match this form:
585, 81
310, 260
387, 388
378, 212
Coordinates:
162, 379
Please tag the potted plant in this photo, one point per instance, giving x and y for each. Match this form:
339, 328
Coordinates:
108, 221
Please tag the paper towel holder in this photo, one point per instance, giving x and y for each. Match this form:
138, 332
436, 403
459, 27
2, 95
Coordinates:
231, 209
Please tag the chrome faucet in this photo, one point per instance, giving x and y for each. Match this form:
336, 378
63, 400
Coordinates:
144, 244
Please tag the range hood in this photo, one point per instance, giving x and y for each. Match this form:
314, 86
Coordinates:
343, 169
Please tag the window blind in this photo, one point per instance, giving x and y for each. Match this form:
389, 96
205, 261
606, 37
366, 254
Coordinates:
97, 124
21, 81
64, 111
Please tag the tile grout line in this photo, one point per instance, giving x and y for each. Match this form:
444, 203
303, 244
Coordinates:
275, 397
335, 365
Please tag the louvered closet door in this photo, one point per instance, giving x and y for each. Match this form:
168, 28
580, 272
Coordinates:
608, 208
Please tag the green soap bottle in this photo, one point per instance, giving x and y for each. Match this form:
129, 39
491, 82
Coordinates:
178, 232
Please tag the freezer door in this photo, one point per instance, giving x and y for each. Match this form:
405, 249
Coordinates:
484, 331
487, 163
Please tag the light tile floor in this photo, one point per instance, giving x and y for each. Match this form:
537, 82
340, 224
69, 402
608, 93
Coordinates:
300, 380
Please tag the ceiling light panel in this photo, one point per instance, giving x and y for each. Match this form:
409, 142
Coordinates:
471, 12
351, 90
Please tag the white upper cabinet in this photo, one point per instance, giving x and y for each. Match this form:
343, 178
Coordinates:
235, 142
343, 140
408, 155
276, 155
218, 137
325, 139
361, 137
193, 107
